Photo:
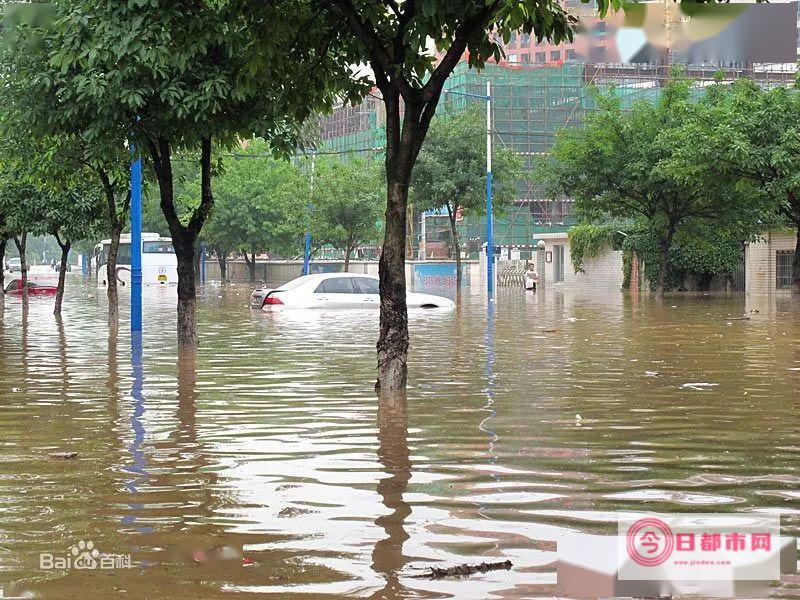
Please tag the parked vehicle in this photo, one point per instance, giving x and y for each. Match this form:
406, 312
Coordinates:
14, 288
14, 264
335, 290
159, 263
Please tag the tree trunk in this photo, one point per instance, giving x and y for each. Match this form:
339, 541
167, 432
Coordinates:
111, 276
402, 149
2, 266
117, 221
62, 273
252, 266
21, 242
223, 264
348, 250
796, 264
187, 320
184, 237
664, 244
393, 340
456, 246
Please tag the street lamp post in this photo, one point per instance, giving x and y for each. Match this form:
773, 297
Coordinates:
136, 242
307, 250
489, 219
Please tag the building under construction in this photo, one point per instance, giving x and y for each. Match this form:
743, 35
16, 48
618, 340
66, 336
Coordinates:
530, 105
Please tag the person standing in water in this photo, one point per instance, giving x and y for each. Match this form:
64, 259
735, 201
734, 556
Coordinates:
531, 278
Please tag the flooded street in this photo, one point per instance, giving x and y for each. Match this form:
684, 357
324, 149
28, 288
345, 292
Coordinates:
272, 440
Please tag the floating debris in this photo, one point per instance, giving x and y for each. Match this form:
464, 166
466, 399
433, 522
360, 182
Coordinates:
699, 386
466, 570
63, 455
651, 373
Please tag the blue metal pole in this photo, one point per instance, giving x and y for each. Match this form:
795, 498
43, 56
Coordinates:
136, 242
489, 220
489, 237
307, 252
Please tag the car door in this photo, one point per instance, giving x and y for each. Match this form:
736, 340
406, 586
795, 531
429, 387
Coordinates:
368, 292
336, 292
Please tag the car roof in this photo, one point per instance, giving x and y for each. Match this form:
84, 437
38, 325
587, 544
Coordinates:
321, 276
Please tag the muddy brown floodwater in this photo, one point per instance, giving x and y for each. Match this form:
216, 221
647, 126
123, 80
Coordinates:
272, 440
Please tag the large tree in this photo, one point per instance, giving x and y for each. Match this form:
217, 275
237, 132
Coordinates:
347, 203
752, 136
188, 75
629, 164
74, 212
395, 38
56, 147
258, 206
23, 207
451, 171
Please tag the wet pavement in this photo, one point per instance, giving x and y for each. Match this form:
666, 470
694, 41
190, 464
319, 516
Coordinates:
271, 440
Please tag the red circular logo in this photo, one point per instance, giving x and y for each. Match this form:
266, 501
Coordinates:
650, 541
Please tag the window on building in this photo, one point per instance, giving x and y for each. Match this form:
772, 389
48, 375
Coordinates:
541, 57
570, 54
555, 55
558, 263
783, 269
525, 39
512, 58
526, 58
512, 38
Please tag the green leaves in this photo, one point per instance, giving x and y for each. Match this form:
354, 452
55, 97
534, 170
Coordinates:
451, 167
347, 201
259, 204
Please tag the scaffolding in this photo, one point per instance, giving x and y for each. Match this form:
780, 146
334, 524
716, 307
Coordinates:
531, 104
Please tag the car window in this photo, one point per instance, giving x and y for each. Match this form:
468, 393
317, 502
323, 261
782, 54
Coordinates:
366, 285
336, 285
12, 286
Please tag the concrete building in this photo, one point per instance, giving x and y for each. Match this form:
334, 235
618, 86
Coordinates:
602, 273
768, 263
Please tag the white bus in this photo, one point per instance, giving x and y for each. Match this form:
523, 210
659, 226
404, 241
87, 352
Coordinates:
159, 263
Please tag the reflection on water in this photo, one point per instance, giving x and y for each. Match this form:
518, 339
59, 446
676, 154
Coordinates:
270, 440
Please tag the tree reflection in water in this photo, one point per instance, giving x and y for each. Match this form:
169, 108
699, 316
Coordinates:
393, 454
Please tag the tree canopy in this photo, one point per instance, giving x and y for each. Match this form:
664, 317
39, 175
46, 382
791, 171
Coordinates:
751, 137
631, 164
347, 203
259, 205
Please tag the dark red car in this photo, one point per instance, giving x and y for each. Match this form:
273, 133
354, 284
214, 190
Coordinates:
14, 288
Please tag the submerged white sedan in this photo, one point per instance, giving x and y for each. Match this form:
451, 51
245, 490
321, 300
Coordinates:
335, 290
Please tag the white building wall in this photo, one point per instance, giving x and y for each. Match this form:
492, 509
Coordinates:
602, 273
760, 262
